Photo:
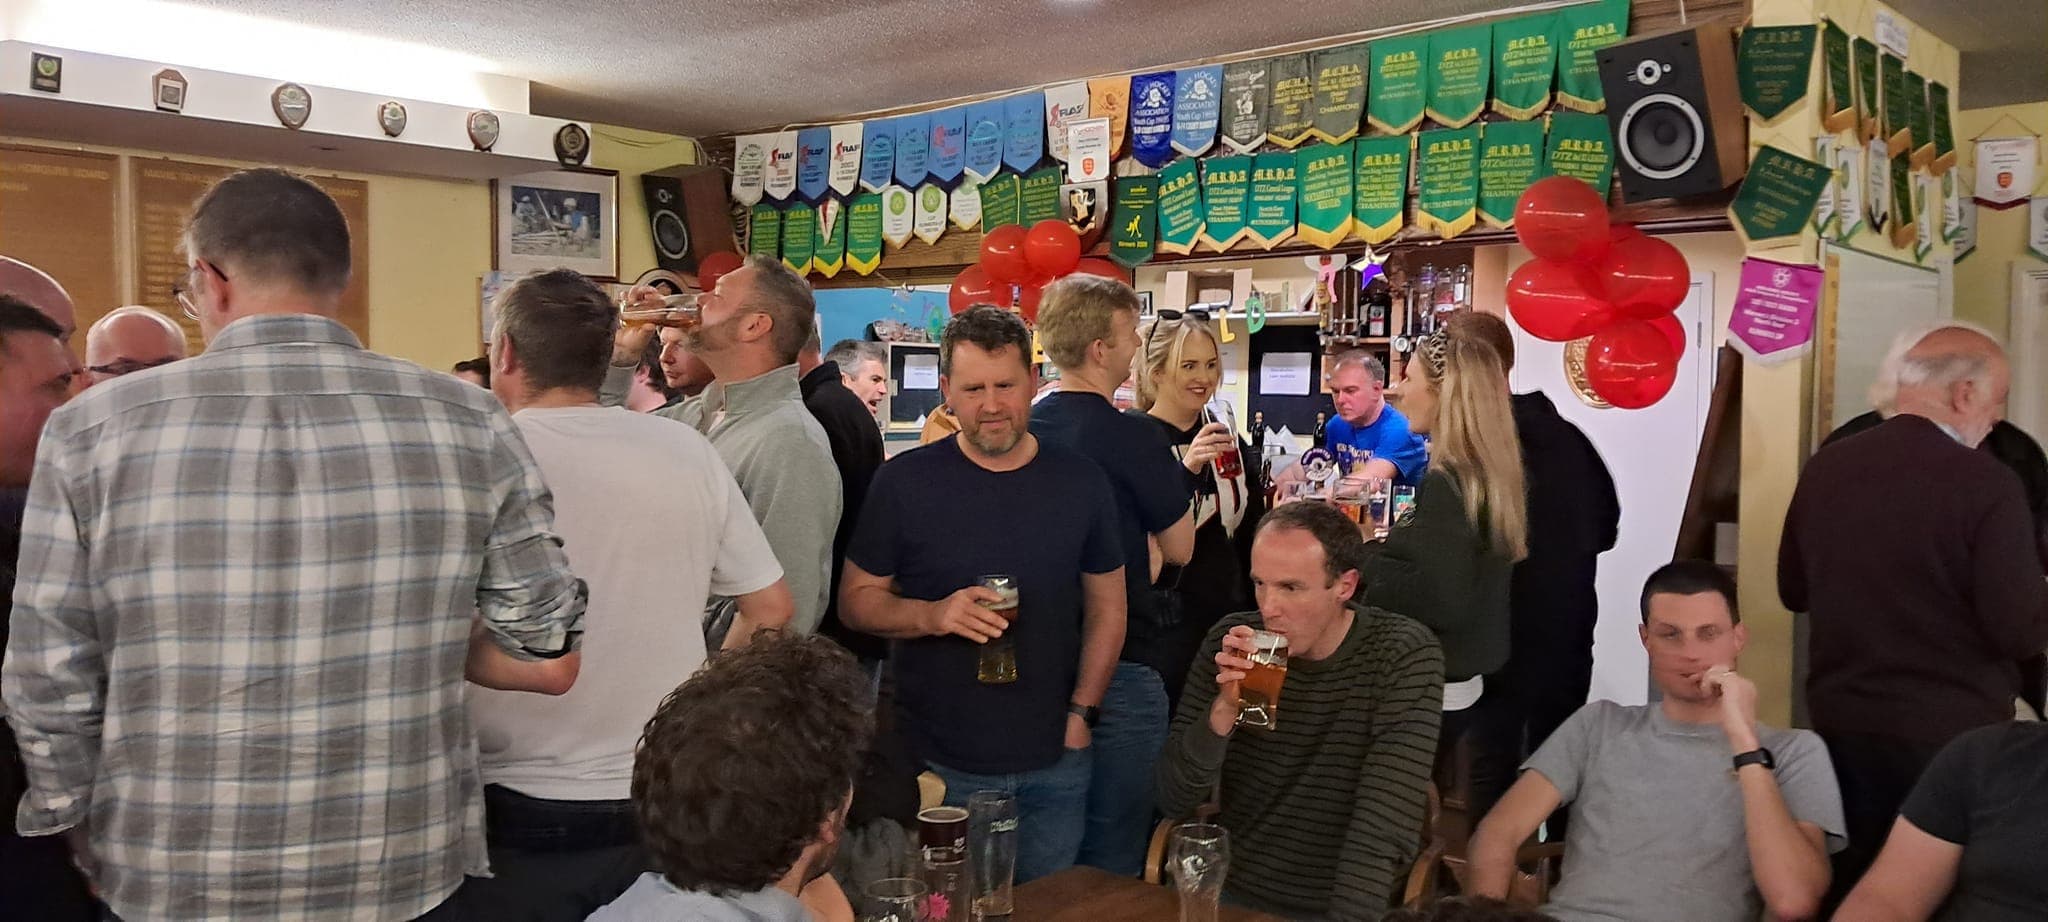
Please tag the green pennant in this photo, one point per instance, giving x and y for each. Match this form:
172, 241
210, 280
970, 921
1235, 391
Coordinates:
1524, 65
1379, 187
1180, 207
1917, 122
828, 256
1772, 64
1290, 111
1132, 220
1580, 147
1398, 88
864, 233
1340, 92
1323, 194
1510, 158
1778, 196
764, 230
1226, 201
1938, 123
1904, 227
1581, 32
1447, 197
1463, 62
1863, 57
1898, 136
1001, 201
1838, 112
799, 237
1039, 195
1272, 207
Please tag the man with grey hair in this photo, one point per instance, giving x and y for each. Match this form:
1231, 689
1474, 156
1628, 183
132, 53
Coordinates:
1366, 428
251, 586
1913, 555
864, 369
130, 339
754, 324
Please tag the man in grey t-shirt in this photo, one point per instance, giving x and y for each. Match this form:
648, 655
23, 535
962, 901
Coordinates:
1687, 810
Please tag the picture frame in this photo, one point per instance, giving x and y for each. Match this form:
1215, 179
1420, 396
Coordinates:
556, 219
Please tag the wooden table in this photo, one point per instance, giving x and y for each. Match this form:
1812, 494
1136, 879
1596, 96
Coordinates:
1089, 895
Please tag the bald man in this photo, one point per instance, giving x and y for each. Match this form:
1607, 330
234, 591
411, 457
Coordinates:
1913, 554
130, 339
42, 292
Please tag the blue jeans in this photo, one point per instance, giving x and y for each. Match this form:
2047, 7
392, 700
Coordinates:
1050, 808
1123, 790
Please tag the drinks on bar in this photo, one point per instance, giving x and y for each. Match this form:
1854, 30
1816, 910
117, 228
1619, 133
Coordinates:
992, 844
998, 664
1198, 855
1258, 702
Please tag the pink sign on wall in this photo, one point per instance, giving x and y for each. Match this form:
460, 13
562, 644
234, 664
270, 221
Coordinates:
1775, 309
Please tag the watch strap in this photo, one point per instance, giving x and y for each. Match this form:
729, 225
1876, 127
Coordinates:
1089, 715
1757, 756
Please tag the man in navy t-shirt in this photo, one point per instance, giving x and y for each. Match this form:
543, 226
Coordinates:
1365, 423
993, 499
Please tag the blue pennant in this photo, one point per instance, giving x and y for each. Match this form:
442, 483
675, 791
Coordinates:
949, 145
1023, 131
913, 149
877, 154
1152, 118
813, 162
1197, 107
984, 139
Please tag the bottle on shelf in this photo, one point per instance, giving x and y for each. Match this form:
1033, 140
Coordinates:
1445, 298
1462, 288
1379, 305
1422, 302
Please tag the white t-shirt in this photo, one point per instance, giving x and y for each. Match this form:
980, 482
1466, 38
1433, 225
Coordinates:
654, 522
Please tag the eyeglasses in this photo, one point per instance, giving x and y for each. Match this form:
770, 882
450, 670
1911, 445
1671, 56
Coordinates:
121, 367
1169, 315
181, 291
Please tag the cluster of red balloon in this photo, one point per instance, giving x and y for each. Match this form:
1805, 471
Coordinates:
1016, 265
1610, 283
713, 266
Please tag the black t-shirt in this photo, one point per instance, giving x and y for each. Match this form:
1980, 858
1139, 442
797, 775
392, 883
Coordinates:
1215, 582
1988, 792
857, 451
935, 522
1151, 494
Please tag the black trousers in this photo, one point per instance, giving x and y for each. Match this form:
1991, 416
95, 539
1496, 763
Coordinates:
551, 860
1875, 774
1492, 751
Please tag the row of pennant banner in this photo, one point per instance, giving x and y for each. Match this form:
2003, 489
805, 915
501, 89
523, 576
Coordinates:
1321, 195
909, 174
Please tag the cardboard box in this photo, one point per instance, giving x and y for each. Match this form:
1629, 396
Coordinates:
1227, 287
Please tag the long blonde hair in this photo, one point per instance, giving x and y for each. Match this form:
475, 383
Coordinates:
1163, 342
1473, 439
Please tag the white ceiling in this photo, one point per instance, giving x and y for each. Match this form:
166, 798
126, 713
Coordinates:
701, 67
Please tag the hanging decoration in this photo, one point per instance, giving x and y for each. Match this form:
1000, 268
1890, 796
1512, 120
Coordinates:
1580, 147
843, 173
828, 253
1290, 110
813, 163
1180, 207
1226, 201
1869, 94
1271, 217
764, 231
1447, 196
1380, 186
1398, 90
1966, 220
1461, 61
1197, 109
984, 146
929, 220
779, 180
1064, 105
1524, 65
877, 154
948, 152
1562, 219
1038, 196
1024, 131
864, 233
973, 286
913, 150
799, 237
963, 206
2037, 228
1848, 182
1926, 230
1905, 227
1951, 206
1088, 157
1838, 104
1582, 32
1510, 158
1340, 92
1898, 134
2005, 170
1777, 196
1772, 64
899, 215
1246, 89
1110, 98
1918, 122
1133, 219
1940, 125
1085, 206
749, 166
1876, 186
1001, 201
1824, 210
1323, 206
1151, 104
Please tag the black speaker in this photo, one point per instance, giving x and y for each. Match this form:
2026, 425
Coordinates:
670, 231
1675, 112
687, 215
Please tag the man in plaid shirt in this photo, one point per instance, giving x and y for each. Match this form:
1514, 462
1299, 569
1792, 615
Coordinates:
250, 586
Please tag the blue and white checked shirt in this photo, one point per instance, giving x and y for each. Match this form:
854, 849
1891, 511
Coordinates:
245, 600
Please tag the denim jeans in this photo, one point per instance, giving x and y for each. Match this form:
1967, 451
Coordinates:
1051, 806
1123, 790
551, 859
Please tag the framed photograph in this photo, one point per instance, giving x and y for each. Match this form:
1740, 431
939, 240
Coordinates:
557, 219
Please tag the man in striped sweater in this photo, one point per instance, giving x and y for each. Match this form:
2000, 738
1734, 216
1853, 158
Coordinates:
1324, 809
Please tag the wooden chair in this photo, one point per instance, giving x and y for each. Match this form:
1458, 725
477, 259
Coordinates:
1536, 865
1162, 835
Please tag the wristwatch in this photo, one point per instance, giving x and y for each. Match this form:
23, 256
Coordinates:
1089, 715
1758, 756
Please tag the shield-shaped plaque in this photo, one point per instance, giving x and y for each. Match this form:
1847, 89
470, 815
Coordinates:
391, 117
483, 129
572, 144
1085, 207
292, 104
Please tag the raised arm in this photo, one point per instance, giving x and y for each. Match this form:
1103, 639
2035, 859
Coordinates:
1200, 736
1393, 785
1788, 855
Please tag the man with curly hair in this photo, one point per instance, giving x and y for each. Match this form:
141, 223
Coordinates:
741, 786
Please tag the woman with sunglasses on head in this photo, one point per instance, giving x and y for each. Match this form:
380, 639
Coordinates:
1177, 371
1446, 563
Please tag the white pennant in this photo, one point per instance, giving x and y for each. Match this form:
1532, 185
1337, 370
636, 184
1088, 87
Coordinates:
1877, 185
1923, 189
780, 178
845, 169
2037, 226
2005, 169
749, 165
1951, 205
1064, 105
898, 215
966, 204
1966, 221
1824, 211
1848, 190
931, 213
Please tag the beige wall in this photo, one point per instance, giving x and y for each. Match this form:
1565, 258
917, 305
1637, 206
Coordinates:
633, 152
1984, 277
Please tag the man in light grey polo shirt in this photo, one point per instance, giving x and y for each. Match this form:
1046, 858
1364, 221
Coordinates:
1686, 810
754, 323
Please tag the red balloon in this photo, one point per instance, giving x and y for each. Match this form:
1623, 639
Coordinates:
1619, 232
714, 266
1644, 277
1555, 301
1096, 265
973, 286
1002, 254
1562, 218
1052, 248
1669, 326
1028, 296
1631, 364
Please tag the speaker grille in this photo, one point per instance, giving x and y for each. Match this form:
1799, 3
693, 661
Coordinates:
1662, 136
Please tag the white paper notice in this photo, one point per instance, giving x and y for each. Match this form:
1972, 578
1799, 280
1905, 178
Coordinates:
1233, 362
1284, 374
920, 372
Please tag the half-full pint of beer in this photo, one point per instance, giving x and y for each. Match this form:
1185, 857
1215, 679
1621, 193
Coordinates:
1258, 702
998, 665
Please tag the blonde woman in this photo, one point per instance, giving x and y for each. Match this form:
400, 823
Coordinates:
1446, 563
1177, 372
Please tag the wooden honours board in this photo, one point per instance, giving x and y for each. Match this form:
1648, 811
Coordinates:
164, 192
58, 212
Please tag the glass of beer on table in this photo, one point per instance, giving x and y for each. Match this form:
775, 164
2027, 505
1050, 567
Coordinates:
999, 656
1258, 696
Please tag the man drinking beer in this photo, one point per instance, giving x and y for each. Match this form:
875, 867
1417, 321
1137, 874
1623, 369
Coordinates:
1324, 782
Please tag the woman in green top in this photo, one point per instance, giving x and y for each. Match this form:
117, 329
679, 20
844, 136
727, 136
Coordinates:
1446, 562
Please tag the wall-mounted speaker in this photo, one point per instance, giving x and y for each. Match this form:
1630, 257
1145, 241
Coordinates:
686, 215
1676, 113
